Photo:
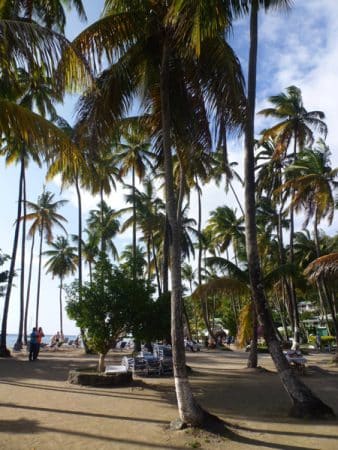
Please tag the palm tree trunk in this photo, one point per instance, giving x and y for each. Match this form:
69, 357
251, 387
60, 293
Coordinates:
90, 273
187, 321
79, 244
190, 412
295, 312
226, 168
4, 352
156, 266
79, 251
134, 224
29, 287
39, 278
253, 354
324, 297
282, 259
60, 304
199, 230
165, 262
149, 258
305, 403
101, 219
18, 343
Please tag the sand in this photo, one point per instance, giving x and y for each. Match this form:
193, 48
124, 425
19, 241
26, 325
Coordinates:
40, 410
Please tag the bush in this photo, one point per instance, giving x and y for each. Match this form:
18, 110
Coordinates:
327, 340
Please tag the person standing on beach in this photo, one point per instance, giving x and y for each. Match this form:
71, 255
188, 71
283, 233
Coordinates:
33, 344
40, 335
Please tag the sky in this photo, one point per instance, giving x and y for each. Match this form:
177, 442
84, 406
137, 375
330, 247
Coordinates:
298, 47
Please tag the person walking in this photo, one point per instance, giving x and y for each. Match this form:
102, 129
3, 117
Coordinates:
33, 344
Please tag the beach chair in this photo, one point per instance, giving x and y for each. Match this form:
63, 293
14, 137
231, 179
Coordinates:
153, 364
140, 366
296, 360
164, 354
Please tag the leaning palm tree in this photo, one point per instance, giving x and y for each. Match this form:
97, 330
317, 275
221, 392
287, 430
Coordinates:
305, 403
44, 218
62, 262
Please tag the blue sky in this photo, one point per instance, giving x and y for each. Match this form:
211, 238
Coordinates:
295, 48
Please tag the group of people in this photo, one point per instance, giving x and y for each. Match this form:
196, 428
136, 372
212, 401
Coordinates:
57, 340
35, 343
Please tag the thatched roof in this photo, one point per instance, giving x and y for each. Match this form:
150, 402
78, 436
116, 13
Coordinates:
325, 266
223, 285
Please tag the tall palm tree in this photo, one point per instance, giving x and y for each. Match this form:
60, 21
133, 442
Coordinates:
150, 220
73, 173
61, 262
154, 63
134, 155
37, 92
305, 403
16, 121
193, 169
297, 124
44, 218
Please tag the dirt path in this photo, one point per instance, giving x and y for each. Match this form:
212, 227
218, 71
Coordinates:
40, 410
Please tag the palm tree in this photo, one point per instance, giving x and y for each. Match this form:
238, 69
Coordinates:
305, 403
61, 262
90, 251
194, 168
154, 63
103, 224
36, 92
150, 220
72, 173
16, 121
44, 217
127, 258
133, 154
298, 124
226, 228
51, 14
314, 182
45, 50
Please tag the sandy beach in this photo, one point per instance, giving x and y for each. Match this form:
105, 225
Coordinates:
41, 410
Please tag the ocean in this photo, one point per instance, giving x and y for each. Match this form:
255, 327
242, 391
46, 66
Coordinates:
11, 339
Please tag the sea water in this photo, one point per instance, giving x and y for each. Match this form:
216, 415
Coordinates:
11, 339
